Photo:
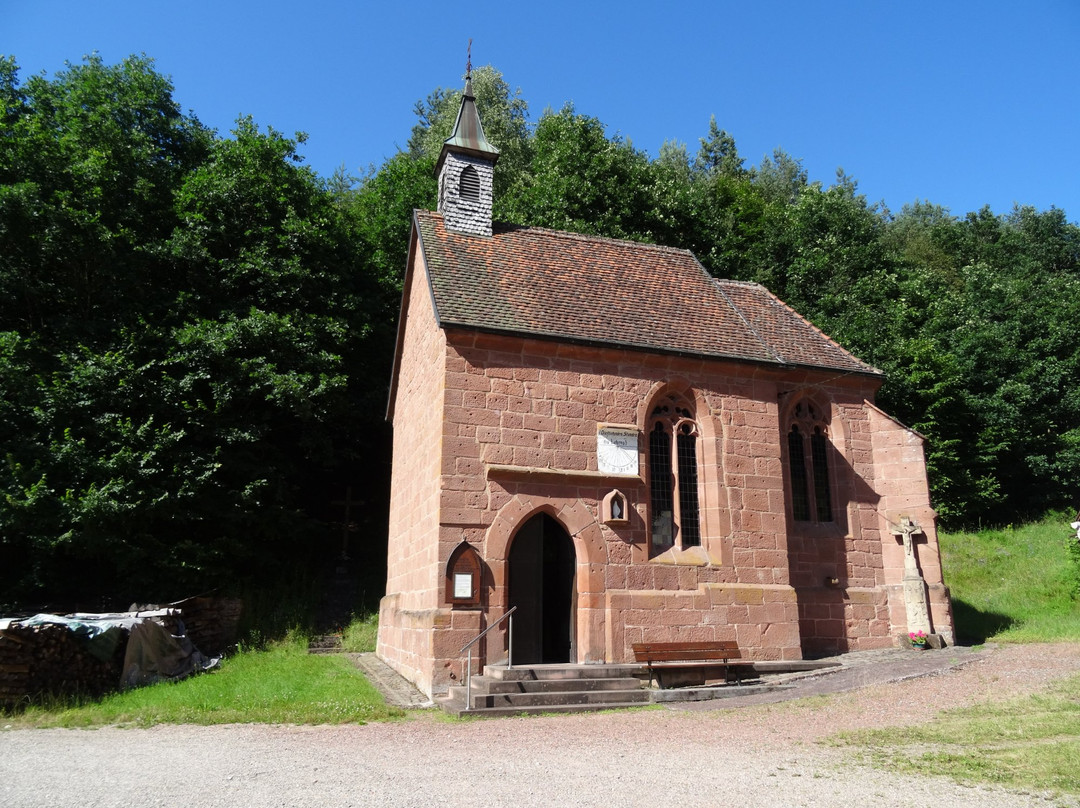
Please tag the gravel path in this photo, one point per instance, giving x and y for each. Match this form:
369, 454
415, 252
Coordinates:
763, 755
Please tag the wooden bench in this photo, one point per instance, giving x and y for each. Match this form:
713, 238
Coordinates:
687, 663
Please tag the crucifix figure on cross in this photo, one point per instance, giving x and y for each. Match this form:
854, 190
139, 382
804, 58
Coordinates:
908, 528
915, 596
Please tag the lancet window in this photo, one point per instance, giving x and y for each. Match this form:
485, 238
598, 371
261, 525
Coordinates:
808, 464
673, 477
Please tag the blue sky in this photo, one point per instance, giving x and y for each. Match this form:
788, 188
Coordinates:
961, 103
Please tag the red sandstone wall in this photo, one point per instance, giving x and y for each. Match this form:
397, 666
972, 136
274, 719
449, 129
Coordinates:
852, 613
901, 466
518, 436
866, 608
536, 404
409, 610
514, 403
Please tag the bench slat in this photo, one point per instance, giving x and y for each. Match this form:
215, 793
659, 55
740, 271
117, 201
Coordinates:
675, 656
678, 651
665, 646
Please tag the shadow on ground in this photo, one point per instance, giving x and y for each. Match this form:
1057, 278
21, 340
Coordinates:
974, 626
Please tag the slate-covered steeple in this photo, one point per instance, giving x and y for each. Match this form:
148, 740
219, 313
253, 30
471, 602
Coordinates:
465, 170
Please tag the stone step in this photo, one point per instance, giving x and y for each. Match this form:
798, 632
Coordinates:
550, 688
542, 702
485, 684
325, 644
458, 708
550, 672
624, 697
533, 689
795, 665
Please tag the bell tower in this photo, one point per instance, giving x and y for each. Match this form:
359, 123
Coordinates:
466, 169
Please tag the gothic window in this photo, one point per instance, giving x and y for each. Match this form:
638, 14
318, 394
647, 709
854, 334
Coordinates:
800, 501
469, 184
673, 474
808, 465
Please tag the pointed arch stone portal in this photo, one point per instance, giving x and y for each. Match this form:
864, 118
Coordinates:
589, 555
542, 568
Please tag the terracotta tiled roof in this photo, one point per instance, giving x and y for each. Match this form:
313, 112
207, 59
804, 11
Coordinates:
550, 284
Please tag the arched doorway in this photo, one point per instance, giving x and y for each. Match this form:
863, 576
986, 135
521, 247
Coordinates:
542, 564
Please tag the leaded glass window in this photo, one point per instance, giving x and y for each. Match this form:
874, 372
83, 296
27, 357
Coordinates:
808, 465
673, 478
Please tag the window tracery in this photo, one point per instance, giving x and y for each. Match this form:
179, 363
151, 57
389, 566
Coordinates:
808, 464
673, 477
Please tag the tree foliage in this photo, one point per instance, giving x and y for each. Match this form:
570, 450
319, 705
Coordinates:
196, 331
969, 316
179, 315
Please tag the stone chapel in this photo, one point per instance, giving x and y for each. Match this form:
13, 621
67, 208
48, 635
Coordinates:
627, 449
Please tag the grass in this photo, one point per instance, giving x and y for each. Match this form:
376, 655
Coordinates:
281, 684
1008, 585
1030, 743
360, 635
1015, 584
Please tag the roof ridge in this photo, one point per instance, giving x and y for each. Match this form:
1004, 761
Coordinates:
567, 234
734, 282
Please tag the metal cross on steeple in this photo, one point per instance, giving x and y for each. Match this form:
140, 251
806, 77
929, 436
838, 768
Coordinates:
468, 59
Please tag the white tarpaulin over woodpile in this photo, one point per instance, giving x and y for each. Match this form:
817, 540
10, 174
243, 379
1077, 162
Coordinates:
152, 653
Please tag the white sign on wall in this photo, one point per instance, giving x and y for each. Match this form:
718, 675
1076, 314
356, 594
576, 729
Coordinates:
463, 585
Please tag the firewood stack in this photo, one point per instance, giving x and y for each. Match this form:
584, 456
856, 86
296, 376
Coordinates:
37, 662
211, 623
40, 661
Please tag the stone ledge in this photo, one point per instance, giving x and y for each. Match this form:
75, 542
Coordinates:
505, 472
688, 557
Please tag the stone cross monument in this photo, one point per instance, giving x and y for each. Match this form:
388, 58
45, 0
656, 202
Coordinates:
915, 597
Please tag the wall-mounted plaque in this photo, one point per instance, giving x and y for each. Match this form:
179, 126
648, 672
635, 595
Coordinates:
463, 572
617, 450
463, 588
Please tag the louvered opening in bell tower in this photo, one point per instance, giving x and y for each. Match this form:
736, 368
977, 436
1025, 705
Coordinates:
469, 184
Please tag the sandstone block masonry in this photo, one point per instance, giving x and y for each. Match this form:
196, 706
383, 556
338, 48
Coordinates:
515, 436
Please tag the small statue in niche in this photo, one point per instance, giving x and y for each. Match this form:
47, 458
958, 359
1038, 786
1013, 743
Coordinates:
614, 508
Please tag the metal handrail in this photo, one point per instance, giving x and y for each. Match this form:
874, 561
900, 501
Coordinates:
468, 647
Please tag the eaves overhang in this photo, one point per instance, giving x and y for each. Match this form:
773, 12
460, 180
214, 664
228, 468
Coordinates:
777, 363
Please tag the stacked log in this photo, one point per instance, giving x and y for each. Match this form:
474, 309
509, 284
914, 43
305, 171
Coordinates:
42, 661
16, 660
211, 623
39, 662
